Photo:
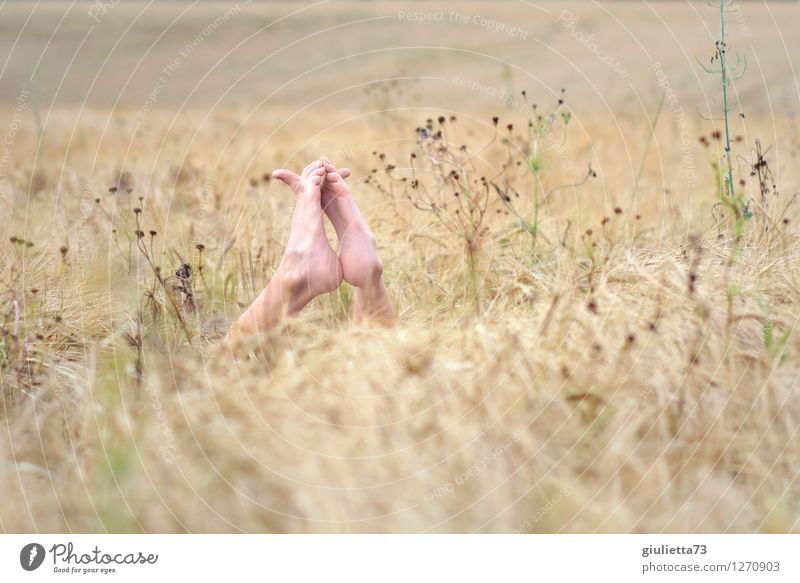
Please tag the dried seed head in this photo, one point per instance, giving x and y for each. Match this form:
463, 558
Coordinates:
184, 271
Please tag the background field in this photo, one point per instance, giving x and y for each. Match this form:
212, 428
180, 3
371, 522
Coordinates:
631, 368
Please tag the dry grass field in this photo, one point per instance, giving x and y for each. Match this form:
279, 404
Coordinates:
604, 350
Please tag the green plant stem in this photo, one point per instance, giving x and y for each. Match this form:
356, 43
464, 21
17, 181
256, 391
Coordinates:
724, 69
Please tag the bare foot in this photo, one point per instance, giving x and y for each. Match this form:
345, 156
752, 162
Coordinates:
358, 251
309, 262
309, 266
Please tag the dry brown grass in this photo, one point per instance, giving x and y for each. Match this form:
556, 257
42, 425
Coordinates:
639, 378
579, 395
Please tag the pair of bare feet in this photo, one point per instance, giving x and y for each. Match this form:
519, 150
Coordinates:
309, 266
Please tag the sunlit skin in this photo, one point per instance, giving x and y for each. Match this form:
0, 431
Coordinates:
310, 267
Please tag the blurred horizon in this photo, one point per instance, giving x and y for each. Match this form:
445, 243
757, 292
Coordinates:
475, 56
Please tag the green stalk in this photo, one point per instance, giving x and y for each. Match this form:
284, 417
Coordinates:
724, 69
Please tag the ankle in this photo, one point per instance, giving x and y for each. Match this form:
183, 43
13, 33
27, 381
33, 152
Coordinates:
375, 271
290, 289
370, 278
